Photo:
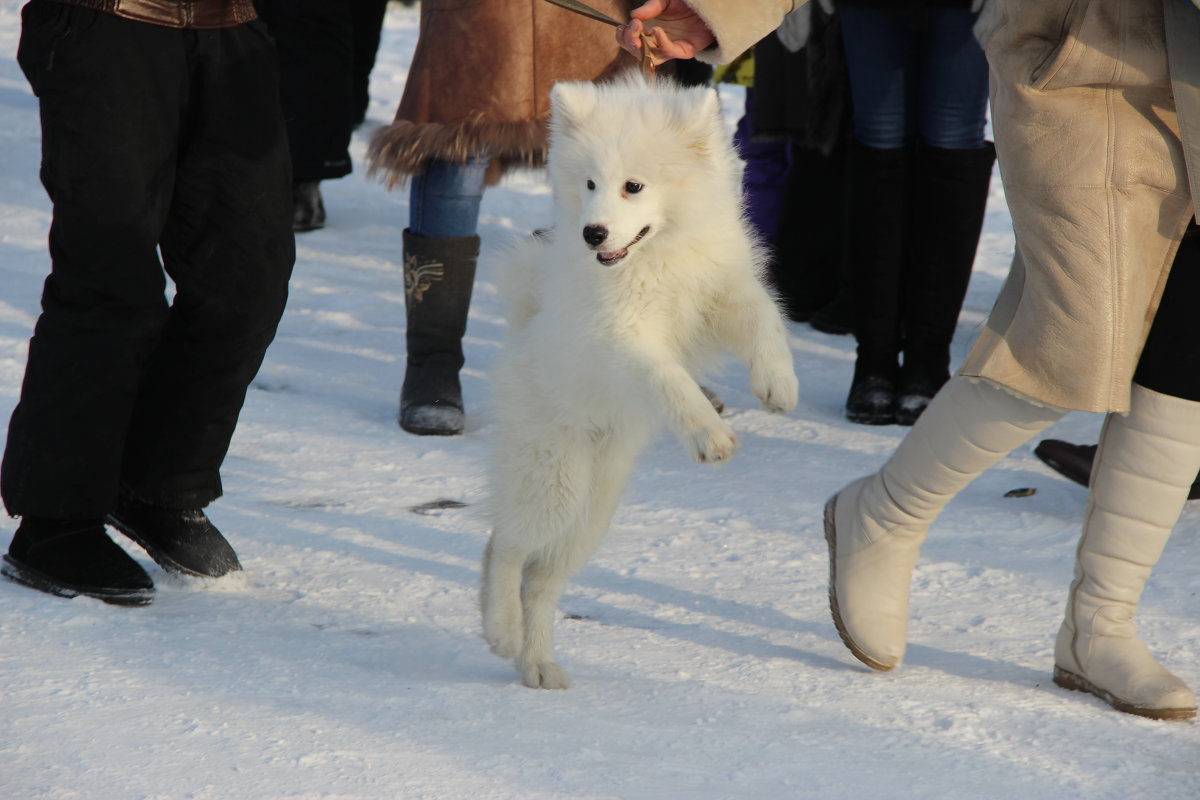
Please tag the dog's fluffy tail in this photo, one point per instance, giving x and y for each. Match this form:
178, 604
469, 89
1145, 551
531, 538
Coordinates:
519, 277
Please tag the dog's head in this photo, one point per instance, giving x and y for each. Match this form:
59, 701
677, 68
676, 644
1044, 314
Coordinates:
627, 160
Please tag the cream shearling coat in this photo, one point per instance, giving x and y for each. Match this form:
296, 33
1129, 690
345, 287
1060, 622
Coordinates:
1095, 163
1096, 179
738, 24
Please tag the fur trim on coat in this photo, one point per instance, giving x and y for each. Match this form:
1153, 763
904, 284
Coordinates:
480, 81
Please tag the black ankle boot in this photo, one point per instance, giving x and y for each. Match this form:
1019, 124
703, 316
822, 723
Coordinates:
872, 400
308, 208
73, 557
182, 541
914, 394
1072, 461
439, 274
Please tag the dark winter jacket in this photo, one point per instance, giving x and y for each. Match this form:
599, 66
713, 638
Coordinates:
804, 95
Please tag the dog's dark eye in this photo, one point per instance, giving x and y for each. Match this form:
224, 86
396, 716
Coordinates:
632, 187
591, 185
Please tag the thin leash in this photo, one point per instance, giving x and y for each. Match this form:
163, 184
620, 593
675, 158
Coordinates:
591, 13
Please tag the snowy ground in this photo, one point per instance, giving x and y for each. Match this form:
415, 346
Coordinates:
346, 663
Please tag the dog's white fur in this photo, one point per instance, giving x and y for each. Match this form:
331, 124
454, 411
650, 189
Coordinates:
602, 348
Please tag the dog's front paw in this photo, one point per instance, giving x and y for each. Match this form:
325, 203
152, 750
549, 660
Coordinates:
714, 444
777, 390
543, 675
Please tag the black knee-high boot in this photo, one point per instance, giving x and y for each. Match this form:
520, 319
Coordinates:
438, 276
949, 196
879, 191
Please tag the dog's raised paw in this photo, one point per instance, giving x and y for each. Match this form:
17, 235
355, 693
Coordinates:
714, 445
544, 675
778, 393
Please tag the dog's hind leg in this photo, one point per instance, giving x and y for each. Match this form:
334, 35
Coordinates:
547, 573
542, 482
500, 597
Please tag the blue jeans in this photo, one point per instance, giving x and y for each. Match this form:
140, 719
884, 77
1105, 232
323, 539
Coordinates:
915, 77
444, 200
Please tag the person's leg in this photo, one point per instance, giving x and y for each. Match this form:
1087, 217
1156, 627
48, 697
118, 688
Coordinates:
109, 92
109, 156
876, 525
229, 248
367, 16
1143, 469
809, 261
315, 40
881, 61
953, 95
950, 187
440, 249
1168, 364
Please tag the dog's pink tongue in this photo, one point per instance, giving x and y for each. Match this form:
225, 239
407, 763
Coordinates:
614, 254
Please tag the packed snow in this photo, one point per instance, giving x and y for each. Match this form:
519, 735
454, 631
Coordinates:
346, 661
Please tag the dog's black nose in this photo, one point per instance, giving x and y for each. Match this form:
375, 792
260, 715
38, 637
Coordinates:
595, 234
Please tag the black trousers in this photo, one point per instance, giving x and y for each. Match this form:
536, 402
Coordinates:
326, 52
1170, 360
154, 141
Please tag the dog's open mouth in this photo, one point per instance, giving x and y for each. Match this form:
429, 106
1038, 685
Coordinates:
613, 256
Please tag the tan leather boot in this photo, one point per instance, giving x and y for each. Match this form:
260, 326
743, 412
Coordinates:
875, 526
1140, 481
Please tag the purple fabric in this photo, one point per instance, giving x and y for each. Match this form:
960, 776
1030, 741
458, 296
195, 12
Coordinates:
765, 178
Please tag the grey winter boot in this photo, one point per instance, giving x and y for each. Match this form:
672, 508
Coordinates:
439, 274
1140, 480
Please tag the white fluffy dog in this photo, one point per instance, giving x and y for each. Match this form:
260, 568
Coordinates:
649, 272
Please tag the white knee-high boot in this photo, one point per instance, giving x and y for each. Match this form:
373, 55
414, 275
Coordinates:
1140, 480
875, 526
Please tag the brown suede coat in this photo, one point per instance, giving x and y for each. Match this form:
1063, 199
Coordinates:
480, 81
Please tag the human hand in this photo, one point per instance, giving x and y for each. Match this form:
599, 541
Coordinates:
678, 31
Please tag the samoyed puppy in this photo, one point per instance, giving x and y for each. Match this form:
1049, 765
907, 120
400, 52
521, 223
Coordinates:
649, 272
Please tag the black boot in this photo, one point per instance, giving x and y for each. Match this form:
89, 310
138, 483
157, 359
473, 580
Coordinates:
807, 267
182, 541
879, 190
74, 557
1074, 462
308, 209
949, 197
836, 314
872, 400
438, 277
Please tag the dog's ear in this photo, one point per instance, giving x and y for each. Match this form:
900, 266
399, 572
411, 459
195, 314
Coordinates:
571, 103
705, 127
